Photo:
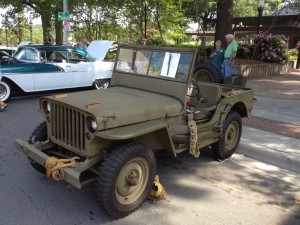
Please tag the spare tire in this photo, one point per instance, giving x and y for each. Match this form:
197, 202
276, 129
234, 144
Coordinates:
207, 72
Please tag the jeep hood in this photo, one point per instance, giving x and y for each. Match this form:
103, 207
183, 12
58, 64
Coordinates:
119, 106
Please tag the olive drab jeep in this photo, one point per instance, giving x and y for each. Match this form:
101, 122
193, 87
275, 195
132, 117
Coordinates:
152, 104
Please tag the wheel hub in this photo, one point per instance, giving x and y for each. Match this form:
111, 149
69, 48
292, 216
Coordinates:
231, 135
132, 179
203, 75
3, 91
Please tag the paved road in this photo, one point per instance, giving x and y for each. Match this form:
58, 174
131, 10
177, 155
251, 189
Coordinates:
200, 191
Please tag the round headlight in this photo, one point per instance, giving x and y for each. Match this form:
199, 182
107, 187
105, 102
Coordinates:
94, 125
91, 124
48, 107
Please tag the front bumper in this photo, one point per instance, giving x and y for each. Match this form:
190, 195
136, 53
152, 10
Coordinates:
70, 175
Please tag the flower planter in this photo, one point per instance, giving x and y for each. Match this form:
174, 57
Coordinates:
263, 70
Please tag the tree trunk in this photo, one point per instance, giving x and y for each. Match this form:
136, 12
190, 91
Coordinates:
59, 40
158, 23
224, 20
46, 24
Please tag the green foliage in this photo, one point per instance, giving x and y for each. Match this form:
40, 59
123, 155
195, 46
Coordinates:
123, 20
292, 54
110, 56
243, 8
272, 49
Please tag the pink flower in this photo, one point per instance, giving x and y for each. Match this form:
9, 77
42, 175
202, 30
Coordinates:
269, 36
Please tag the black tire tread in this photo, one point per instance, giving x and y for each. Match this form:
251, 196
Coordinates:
109, 171
220, 152
40, 134
213, 69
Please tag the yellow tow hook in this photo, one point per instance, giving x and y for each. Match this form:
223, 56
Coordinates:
158, 191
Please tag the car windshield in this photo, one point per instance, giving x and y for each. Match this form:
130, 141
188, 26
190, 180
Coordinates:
156, 63
27, 54
75, 57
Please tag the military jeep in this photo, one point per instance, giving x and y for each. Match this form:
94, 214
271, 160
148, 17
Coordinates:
153, 104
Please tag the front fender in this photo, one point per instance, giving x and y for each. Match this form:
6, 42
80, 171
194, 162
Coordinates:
154, 133
132, 131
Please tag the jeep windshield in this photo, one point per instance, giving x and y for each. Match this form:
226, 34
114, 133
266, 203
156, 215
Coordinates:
159, 63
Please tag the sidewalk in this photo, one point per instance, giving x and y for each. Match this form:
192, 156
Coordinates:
272, 135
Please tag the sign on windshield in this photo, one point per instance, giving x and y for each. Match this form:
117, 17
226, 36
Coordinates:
156, 63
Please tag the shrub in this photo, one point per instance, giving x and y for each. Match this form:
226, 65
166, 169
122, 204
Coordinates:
292, 54
272, 49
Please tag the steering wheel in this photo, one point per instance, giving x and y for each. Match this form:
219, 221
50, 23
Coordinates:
195, 87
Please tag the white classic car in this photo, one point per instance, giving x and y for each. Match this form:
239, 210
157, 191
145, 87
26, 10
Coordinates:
49, 67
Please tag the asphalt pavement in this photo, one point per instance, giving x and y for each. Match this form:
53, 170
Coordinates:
272, 135
238, 191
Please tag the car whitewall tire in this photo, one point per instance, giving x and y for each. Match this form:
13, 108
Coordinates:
5, 91
101, 83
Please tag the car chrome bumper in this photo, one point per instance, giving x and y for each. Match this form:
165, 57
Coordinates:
70, 175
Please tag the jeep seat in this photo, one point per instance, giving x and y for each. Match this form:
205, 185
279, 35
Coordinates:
205, 100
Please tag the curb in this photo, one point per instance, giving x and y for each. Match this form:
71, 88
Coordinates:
270, 156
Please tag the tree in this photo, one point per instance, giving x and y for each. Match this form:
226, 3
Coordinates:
224, 19
202, 12
48, 11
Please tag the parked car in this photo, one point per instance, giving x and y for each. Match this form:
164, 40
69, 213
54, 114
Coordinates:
4, 57
8, 50
49, 67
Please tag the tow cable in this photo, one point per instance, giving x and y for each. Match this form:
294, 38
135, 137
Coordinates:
53, 166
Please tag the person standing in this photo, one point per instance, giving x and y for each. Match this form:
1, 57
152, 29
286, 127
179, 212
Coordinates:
144, 41
217, 55
82, 44
2, 104
229, 56
298, 56
48, 38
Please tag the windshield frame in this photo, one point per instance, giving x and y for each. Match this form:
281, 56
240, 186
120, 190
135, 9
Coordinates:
171, 56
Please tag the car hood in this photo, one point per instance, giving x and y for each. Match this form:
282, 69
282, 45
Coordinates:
119, 106
99, 49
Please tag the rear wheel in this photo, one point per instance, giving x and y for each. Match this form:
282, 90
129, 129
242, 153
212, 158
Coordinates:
5, 90
230, 138
125, 179
38, 134
101, 83
207, 72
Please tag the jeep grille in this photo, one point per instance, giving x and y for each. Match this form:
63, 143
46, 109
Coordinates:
67, 127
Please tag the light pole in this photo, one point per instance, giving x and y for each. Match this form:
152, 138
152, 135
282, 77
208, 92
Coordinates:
6, 29
66, 31
260, 8
30, 29
145, 13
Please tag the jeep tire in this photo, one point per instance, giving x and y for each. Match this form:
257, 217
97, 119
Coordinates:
230, 138
207, 72
38, 134
125, 179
